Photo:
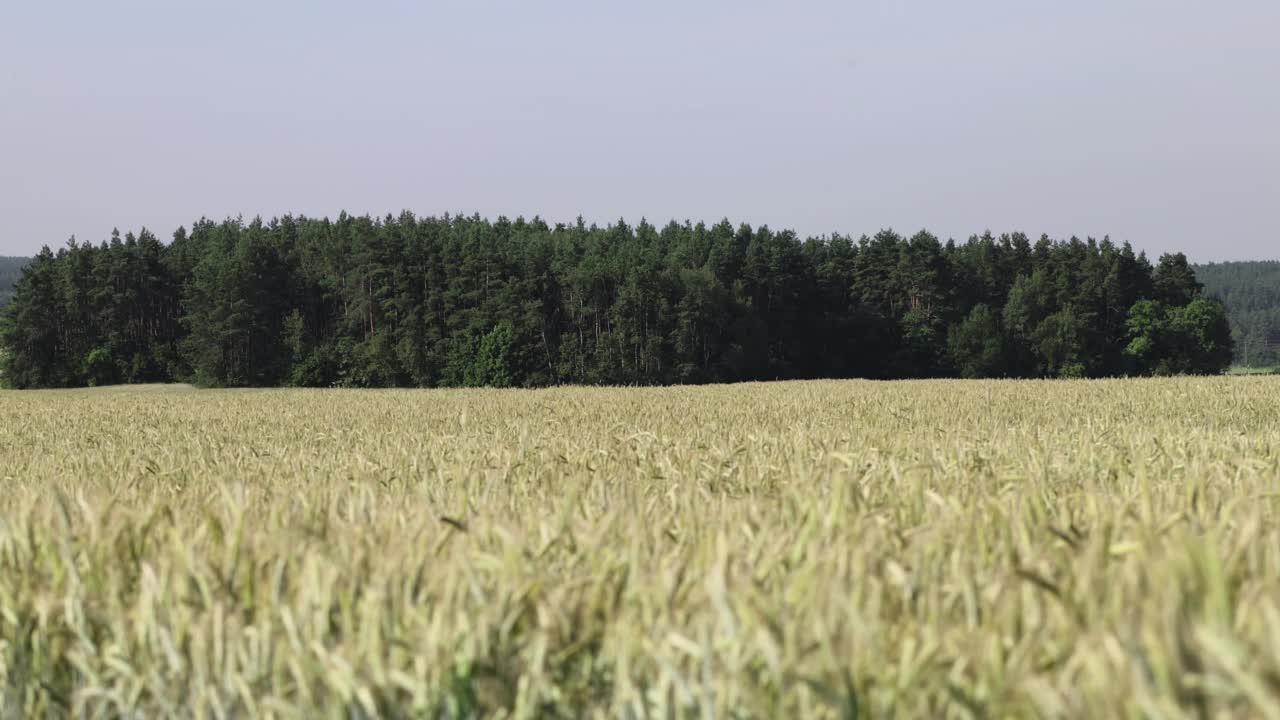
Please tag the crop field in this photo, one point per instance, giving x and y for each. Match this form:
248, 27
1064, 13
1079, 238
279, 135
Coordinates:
788, 550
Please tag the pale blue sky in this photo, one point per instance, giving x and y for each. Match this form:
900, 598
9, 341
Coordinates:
1155, 121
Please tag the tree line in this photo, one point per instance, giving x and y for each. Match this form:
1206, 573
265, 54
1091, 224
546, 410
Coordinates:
10, 271
1251, 293
464, 301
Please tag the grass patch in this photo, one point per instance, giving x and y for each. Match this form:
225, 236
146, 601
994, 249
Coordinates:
1243, 370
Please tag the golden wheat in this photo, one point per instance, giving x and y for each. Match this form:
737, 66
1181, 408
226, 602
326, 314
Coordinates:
821, 549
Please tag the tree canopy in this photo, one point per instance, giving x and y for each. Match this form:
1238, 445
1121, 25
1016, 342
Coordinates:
463, 301
1251, 293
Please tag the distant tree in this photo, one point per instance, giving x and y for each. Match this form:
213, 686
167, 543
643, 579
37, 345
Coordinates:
1060, 344
1149, 343
922, 344
495, 361
1175, 281
1023, 311
975, 345
1203, 343
34, 331
1192, 339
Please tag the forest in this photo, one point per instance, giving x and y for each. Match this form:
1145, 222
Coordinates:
1251, 293
10, 271
464, 301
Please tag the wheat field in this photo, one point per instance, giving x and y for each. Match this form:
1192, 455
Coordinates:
790, 550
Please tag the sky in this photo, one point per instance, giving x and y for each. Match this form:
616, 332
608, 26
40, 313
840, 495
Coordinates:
1152, 121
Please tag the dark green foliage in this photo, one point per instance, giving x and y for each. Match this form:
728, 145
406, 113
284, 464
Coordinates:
1251, 293
1175, 282
495, 362
1202, 336
974, 345
1191, 339
1060, 344
462, 301
93, 315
